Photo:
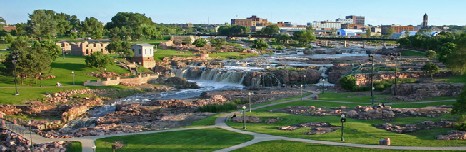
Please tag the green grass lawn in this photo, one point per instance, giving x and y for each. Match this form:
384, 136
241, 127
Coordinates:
290, 146
75, 146
454, 79
151, 42
188, 140
413, 53
206, 121
61, 68
161, 53
4, 46
356, 131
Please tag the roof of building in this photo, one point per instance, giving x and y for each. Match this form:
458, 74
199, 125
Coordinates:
145, 44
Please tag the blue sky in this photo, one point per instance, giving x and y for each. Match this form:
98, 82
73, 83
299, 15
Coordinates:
405, 12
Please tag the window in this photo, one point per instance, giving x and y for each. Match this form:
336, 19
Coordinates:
87, 51
140, 51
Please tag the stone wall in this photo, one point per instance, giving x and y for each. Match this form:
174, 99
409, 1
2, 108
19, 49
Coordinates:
364, 79
127, 81
417, 91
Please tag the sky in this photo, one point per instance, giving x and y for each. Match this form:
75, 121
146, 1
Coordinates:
377, 12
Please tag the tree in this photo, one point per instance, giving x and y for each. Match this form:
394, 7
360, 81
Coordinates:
348, 82
138, 26
304, 37
368, 33
282, 39
123, 48
42, 24
217, 43
98, 60
270, 30
2, 21
431, 69
445, 51
200, 42
460, 106
389, 32
93, 28
431, 54
260, 44
31, 61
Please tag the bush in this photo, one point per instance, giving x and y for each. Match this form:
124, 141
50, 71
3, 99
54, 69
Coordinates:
215, 108
348, 82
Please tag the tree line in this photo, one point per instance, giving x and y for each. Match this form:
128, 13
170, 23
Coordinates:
448, 47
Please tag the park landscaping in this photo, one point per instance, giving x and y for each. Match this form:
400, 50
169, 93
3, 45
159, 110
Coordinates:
356, 131
188, 140
61, 69
286, 146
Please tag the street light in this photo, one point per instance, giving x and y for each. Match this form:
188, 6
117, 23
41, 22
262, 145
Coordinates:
395, 57
14, 61
301, 92
343, 120
249, 94
244, 118
72, 73
30, 134
371, 58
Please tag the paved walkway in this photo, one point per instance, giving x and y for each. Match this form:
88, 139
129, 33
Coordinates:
220, 122
89, 141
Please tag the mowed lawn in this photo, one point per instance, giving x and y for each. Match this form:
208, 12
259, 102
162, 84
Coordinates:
159, 54
356, 131
290, 146
187, 140
61, 69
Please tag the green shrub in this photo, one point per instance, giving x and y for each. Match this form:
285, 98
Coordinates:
215, 108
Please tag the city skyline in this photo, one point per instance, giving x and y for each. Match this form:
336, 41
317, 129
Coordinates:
218, 12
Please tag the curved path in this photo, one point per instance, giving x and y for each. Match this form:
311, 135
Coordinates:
88, 142
220, 122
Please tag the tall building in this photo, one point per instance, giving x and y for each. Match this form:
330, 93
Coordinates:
357, 19
424, 21
250, 21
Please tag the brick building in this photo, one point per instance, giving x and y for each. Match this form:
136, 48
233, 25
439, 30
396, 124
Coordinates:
84, 48
144, 55
396, 28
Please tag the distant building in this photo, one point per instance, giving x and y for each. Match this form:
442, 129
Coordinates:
9, 28
144, 55
344, 21
425, 20
351, 26
250, 22
84, 48
326, 25
357, 19
284, 24
291, 30
396, 28
349, 32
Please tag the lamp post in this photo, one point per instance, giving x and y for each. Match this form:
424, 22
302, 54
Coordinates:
72, 73
249, 94
343, 120
14, 61
40, 79
301, 92
30, 134
371, 58
323, 85
63, 52
395, 58
244, 120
